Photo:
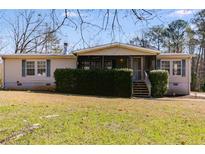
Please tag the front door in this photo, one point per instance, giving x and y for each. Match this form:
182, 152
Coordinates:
137, 68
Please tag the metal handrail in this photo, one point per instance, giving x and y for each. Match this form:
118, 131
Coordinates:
148, 83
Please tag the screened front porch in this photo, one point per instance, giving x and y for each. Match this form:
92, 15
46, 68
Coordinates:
139, 64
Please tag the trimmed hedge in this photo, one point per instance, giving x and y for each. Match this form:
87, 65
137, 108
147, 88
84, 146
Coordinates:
116, 82
159, 82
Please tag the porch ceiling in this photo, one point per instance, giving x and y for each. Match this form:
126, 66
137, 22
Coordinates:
116, 49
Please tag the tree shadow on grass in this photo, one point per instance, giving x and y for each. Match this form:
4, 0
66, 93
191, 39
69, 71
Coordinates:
166, 98
71, 94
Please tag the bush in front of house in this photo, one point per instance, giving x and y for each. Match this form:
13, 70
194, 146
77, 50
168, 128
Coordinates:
116, 82
159, 82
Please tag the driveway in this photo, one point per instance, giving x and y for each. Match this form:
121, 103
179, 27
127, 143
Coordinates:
197, 95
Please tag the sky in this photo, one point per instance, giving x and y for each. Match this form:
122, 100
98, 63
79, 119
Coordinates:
68, 33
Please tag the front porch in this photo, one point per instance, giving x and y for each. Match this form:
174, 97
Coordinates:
139, 64
118, 55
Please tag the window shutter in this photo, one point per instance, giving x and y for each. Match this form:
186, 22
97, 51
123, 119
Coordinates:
23, 68
183, 68
48, 62
158, 63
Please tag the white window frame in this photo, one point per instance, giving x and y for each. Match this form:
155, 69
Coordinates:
173, 68
37, 67
34, 68
169, 65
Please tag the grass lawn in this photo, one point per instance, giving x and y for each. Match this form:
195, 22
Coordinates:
65, 119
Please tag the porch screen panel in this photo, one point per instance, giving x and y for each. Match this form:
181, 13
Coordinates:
85, 65
129, 62
108, 64
95, 64
121, 62
90, 62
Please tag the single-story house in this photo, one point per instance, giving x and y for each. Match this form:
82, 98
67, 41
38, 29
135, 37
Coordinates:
36, 71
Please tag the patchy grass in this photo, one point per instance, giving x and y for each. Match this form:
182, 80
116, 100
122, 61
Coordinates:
65, 119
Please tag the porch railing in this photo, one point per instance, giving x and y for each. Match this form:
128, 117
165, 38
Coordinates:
147, 81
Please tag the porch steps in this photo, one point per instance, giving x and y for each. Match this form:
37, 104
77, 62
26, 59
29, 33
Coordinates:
139, 89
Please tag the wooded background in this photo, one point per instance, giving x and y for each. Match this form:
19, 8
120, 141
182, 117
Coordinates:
34, 32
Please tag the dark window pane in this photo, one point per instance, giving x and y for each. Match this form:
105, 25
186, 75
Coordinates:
30, 68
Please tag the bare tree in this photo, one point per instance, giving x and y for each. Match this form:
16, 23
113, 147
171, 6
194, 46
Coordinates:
30, 32
110, 21
3, 44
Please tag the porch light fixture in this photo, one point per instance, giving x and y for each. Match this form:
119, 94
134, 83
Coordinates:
121, 60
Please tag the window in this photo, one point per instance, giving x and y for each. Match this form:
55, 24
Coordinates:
165, 65
177, 68
30, 68
108, 64
41, 68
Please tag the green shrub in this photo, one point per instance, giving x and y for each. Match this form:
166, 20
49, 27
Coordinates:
94, 82
159, 82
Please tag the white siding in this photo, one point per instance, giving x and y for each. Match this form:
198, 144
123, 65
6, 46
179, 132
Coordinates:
116, 51
178, 84
13, 74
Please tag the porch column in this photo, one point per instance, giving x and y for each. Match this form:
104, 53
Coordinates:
128, 61
102, 62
